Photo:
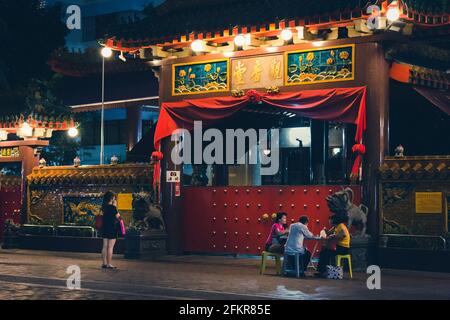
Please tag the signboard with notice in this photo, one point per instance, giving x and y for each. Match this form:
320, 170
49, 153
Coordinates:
173, 176
125, 201
429, 202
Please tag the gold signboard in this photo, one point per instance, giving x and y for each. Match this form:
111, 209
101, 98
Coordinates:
257, 72
125, 201
10, 152
429, 202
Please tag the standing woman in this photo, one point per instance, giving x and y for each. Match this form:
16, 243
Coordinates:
110, 228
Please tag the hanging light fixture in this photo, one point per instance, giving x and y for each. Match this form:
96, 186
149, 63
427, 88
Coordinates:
287, 35
122, 57
73, 132
39, 132
198, 46
239, 41
48, 133
26, 131
393, 12
3, 135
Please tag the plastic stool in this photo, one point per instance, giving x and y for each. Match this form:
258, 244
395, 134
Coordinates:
264, 257
298, 264
347, 257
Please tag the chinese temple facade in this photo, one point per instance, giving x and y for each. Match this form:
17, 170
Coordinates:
329, 77
358, 95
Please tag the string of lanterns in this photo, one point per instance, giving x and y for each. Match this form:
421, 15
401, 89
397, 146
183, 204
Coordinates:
392, 14
36, 127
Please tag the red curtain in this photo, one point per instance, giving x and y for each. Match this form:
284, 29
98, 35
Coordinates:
346, 105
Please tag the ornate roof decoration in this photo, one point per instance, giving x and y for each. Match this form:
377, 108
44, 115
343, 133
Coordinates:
127, 174
213, 20
415, 168
13, 123
429, 78
428, 12
420, 76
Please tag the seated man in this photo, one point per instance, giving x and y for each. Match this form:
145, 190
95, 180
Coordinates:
298, 232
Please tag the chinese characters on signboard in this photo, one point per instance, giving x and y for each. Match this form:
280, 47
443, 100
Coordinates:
429, 202
257, 72
273, 70
10, 152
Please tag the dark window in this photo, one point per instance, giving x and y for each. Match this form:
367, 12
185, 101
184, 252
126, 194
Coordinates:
311, 152
115, 133
415, 123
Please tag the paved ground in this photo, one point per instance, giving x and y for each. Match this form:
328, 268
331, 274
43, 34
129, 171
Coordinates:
42, 275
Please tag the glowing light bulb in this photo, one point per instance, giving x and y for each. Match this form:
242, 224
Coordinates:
286, 35
26, 130
106, 52
73, 132
239, 40
3, 135
197, 46
393, 12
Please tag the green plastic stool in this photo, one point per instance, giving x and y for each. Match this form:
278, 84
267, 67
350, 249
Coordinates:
264, 257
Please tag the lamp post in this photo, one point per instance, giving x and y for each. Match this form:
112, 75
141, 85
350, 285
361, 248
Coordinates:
106, 53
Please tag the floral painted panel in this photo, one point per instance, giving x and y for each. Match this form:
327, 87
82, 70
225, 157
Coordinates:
198, 78
321, 65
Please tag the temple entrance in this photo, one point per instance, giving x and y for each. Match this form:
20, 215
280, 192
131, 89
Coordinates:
227, 209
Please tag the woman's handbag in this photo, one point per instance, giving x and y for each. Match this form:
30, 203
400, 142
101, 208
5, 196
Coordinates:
98, 222
122, 230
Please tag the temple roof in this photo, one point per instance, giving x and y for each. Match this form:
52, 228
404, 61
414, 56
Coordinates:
174, 24
415, 168
133, 174
178, 18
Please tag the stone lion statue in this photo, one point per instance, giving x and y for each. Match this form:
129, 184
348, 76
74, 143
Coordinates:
341, 203
146, 215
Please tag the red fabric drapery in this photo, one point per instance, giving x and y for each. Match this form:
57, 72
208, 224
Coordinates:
347, 105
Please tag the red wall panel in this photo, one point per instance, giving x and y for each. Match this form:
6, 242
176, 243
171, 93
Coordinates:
229, 219
10, 205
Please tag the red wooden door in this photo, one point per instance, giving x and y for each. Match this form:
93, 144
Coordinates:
10, 204
230, 219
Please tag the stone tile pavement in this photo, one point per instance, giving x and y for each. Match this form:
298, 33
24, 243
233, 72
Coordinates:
42, 275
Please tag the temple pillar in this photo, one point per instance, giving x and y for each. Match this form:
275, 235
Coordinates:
376, 136
172, 203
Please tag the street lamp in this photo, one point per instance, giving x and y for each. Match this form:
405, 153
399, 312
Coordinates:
106, 53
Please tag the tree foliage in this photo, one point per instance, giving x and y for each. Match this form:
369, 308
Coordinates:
28, 34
